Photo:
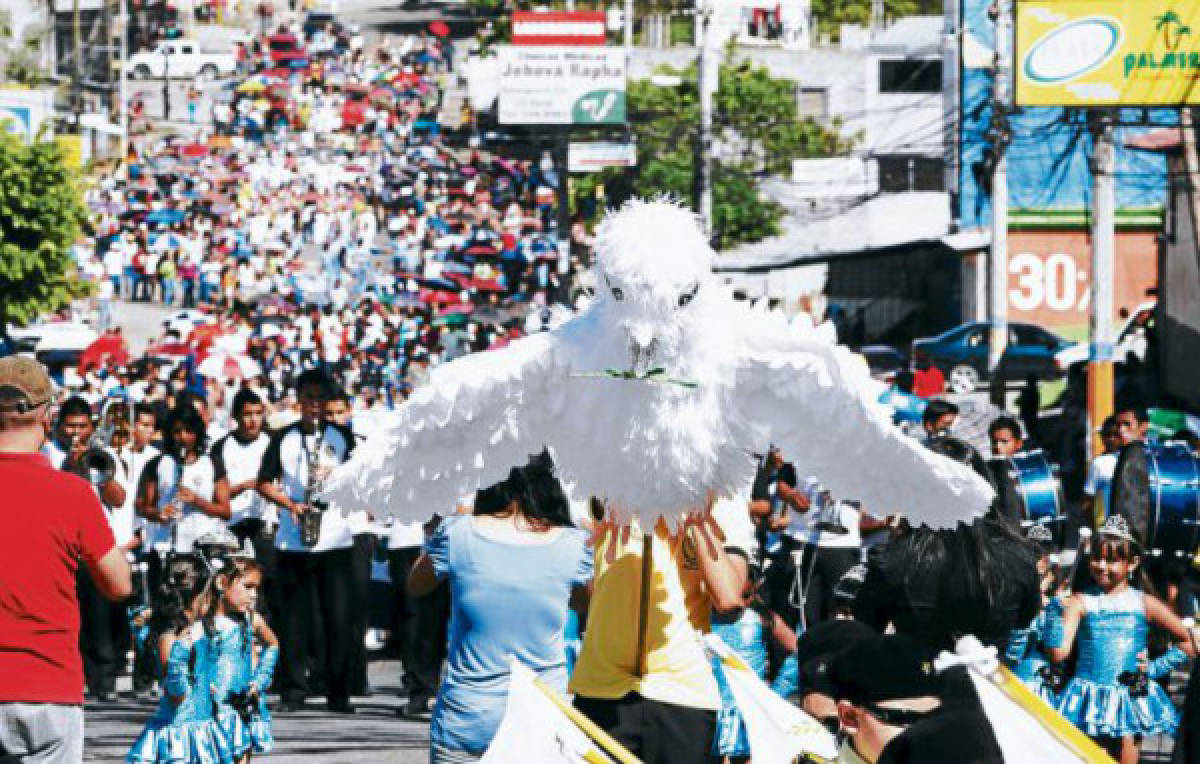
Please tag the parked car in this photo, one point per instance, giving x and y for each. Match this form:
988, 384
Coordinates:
183, 322
52, 336
181, 58
7, 347
961, 354
287, 52
884, 360
1131, 340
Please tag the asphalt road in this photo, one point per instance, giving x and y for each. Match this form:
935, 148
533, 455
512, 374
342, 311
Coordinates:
374, 735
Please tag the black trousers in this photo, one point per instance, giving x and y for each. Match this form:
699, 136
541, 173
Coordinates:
820, 568
655, 732
364, 550
262, 538
103, 636
420, 628
316, 590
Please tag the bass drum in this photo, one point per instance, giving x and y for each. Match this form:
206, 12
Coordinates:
1028, 491
1156, 487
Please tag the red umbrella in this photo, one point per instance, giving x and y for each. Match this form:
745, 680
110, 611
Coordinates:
170, 348
193, 150
438, 297
439, 28
486, 285
229, 366
481, 250
109, 347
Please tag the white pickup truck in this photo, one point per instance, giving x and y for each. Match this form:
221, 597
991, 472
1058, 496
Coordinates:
182, 58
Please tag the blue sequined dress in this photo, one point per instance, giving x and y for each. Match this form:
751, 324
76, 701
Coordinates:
745, 635
234, 640
1111, 633
1026, 651
186, 733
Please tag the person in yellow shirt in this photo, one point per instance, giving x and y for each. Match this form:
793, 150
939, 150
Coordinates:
660, 701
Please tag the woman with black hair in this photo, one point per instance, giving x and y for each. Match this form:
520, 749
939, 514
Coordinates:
512, 566
182, 493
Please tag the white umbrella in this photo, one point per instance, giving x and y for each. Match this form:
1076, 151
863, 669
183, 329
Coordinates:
229, 366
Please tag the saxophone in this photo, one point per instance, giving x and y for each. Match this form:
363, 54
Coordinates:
310, 521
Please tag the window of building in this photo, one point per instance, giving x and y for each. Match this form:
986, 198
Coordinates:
812, 102
910, 76
911, 173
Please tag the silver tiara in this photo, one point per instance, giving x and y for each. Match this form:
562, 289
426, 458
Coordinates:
1117, 527
1039, 534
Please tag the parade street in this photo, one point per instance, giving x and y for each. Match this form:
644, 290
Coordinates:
374, 735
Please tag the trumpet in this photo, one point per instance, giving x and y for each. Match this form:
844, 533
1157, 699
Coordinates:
96, 465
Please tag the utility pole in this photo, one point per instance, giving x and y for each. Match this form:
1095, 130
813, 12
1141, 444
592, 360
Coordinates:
998, 265
1104, 208
77, 64
707, 70
166, 80
122, 94
628, 31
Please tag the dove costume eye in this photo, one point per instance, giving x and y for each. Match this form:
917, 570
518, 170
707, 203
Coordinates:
617, 293
687, 296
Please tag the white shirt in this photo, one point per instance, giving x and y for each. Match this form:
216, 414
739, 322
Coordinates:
286, 461
136, 461
240, 461
120, 519
1099, 477
200, 476
802, 525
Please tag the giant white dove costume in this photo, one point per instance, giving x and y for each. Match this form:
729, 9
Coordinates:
658, 393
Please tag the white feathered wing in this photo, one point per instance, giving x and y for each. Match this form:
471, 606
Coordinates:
818, 404
465, 428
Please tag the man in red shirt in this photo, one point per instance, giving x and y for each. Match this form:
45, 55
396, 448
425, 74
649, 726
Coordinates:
53, 522
928, 380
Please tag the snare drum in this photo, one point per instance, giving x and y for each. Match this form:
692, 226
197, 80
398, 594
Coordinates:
1174, 479
1038, 489
1156, 487
1028, 491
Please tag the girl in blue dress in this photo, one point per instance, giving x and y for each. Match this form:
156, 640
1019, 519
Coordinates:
746, 630
1112, 696
240, 685
183, 729
1025, 653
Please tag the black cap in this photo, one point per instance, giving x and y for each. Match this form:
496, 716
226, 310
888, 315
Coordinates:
958, 736
817, 647
883, 668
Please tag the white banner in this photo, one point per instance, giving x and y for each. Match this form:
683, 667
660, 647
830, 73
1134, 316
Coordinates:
778, 731
534, 729
597, 155
543, 85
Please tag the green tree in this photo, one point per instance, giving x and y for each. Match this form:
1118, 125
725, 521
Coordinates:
41, 213
831, 14
756, 128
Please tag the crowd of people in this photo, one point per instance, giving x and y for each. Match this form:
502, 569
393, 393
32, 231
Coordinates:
326, 247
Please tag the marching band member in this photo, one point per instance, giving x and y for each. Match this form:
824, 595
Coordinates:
104, 628
184, 495
320, 572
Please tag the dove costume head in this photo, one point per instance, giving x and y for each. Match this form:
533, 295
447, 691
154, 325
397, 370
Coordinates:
652, 266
